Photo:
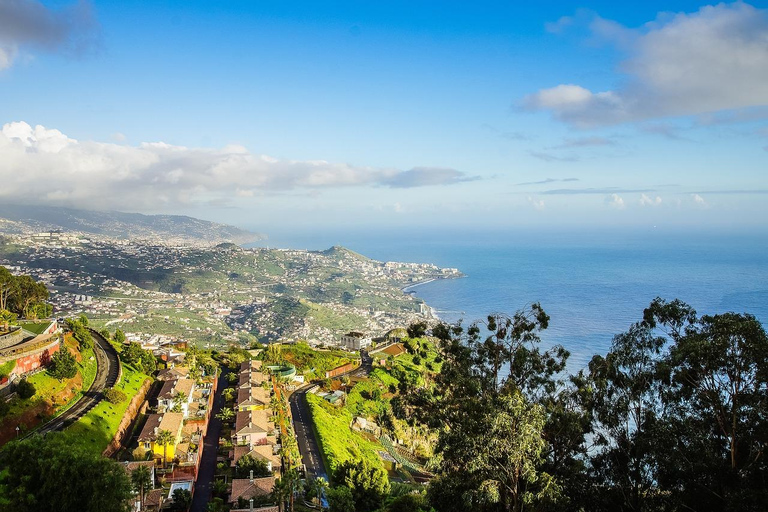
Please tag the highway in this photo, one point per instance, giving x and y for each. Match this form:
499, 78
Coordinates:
107, 373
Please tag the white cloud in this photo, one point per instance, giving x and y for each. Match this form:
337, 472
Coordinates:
699, 201
155, 176
28, 23
537, 204
615, 201
648, 201
681, 64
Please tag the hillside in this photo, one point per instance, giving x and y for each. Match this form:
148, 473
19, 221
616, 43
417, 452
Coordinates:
29, 218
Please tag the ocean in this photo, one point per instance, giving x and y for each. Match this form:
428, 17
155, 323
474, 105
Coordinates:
593, 283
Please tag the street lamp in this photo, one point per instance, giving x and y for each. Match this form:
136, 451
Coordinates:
17, 430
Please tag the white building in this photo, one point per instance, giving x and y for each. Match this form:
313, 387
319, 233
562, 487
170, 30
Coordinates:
355, 341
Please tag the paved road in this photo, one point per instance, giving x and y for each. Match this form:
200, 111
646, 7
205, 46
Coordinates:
210, 451
107, 372
302, 423
305, 435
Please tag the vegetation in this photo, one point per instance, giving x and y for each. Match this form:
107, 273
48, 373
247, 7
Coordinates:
63, 365
311, 362
369, 484
22, 296
51, 474
248, 463
115, 396
338, 443
97, 428
674, 417
25, 389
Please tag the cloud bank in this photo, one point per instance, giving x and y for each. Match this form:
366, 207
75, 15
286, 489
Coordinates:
28, 23
712, 60
55, 169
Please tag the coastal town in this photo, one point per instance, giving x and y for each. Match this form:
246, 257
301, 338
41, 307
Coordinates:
160, 293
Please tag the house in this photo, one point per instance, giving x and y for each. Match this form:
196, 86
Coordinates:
264, 452
132, 466
247, 488
253, 428
253, 398
176, 392
154, 500
171, 421
178, 372
252, 365
269, 508
355, 341
250, 378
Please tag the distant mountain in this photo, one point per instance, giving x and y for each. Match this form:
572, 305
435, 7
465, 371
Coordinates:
25, 218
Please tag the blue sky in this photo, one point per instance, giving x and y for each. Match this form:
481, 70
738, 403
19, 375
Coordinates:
302, 115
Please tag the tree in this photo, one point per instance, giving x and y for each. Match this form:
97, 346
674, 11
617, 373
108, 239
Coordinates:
709, 443
141, 479
228, 394
25, 389
216, 505
105, 334
182, 499
369, 484
340, 499
114, 396
248, 463
226, 414
7, 318
51, 473
119, 336
63, 365
280, 492
165, 438
417, 329
487, 407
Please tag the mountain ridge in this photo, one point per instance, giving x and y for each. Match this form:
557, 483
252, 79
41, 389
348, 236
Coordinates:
121, 224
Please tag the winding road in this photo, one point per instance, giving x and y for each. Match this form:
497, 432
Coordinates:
107, 375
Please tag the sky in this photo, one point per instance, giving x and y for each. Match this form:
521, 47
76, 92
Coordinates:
310, 115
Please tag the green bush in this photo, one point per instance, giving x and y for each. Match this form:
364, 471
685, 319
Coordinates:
25, 389
114, 396
63, 365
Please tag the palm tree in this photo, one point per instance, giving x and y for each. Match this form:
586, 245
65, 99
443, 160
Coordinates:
226, 414
165, 438
321, 484
293, 483
141, 478
229, 394
280, 492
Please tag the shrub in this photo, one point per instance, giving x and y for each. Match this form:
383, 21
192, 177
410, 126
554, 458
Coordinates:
63, 365
25, 389
114, 396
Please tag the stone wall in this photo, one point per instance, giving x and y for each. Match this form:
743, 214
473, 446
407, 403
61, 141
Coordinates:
14, 337
137, 405
37, 359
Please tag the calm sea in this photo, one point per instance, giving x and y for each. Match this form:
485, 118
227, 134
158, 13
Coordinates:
592, 284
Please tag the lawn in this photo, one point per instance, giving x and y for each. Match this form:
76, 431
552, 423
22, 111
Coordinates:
36, 327
337, 441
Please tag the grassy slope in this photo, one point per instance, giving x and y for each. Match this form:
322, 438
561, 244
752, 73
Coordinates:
338, 442
97, 428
